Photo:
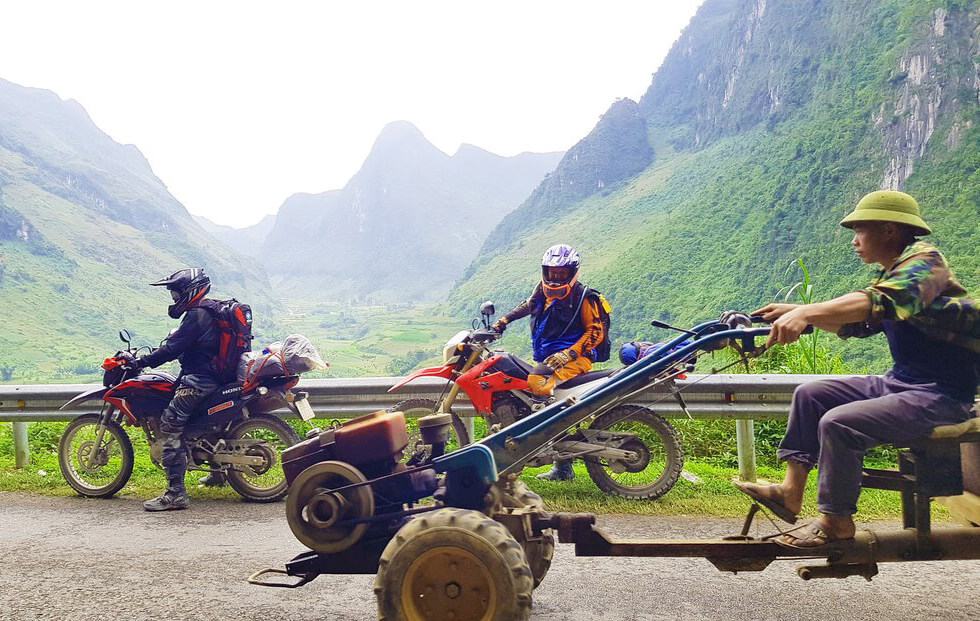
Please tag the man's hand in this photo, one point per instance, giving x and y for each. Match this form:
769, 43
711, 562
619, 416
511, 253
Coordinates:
499, 326
788, 325
772, 312
557, 361
129, 362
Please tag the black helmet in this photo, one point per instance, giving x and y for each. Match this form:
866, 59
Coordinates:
187, 287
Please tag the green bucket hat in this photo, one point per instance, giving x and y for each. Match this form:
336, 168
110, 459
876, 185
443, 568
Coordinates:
887, 206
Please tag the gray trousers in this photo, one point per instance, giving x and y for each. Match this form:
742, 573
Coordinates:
832, 423
191, 391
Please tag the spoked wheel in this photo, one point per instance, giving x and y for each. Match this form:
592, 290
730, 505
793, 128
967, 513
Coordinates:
659, 455
453, 564
314, 511
95, 466
265, 482
417, 408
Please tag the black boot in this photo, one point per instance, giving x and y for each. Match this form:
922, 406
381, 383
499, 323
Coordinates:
561, 471
213, 479
175, 465
170, 500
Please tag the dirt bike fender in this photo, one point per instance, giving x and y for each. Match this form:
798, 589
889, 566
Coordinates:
445, 372
90, 395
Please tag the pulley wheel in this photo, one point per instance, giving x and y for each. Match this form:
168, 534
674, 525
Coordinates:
314, 510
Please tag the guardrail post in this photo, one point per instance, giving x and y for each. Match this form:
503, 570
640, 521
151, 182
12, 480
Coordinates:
745, 438
470, 423
21, 449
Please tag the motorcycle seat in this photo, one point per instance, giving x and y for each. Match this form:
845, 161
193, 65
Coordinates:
584, 378
222, 394
514, 366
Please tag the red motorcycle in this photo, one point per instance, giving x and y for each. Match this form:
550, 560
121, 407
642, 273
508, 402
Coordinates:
231, 433
630, 451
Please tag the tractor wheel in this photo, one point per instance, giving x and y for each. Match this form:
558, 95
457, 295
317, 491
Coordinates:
539, 552
453, 564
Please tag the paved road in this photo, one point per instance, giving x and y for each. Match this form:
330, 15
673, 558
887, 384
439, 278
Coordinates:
62, 558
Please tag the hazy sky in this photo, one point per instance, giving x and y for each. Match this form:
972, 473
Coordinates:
237, 105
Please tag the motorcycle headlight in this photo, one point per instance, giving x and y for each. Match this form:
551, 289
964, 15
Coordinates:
450, 352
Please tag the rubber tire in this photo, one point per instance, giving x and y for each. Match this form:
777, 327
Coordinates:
235, 478
430, 405
471, 531
541, 553
125, 445
672, 445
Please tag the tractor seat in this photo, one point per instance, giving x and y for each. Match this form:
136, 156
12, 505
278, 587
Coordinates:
946, 432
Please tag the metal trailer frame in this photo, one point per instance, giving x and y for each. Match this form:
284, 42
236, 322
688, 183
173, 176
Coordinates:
927, 469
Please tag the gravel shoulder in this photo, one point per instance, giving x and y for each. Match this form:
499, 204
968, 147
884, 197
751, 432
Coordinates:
107, 558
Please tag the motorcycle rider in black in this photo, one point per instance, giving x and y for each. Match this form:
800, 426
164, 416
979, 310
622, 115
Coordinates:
194, 343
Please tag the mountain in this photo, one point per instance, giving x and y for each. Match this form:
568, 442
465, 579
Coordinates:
247, 240
405, 225
765, 124
85, 225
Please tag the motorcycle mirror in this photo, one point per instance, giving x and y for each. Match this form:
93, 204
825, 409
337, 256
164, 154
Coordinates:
125, 336
487, 309
660, 324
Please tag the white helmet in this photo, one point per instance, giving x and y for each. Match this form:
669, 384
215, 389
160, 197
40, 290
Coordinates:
559, 270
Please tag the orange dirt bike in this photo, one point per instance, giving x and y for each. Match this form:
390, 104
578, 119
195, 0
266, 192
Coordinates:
630, 450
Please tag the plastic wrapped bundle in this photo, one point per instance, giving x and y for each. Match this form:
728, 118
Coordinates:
295, 355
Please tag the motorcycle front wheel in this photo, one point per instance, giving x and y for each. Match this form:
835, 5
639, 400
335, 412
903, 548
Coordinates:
660, 456
265, 483
91, 470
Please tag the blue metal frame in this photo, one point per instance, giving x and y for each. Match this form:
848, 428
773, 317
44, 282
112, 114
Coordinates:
509, 449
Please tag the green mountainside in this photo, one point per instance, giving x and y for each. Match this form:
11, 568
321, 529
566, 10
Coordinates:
767, 122
85, 225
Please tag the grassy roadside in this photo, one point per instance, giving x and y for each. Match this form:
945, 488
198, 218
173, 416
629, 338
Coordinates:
713, 495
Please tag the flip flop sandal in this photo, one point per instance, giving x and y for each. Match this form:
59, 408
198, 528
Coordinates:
813, 537
779, 509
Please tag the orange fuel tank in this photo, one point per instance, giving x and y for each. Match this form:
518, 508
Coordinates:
371, 438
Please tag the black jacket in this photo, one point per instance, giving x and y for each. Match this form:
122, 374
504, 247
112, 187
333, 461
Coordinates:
194, 343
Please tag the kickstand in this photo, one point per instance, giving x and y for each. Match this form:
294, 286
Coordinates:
256, 579
747, 525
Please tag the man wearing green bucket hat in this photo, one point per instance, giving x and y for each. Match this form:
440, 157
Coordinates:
933, 332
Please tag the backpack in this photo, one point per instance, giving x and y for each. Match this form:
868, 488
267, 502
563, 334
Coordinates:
601, 351
605, 312
234, 335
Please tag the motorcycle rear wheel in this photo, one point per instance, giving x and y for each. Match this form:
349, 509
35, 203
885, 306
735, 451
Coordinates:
266, 483
90, 471
662, 456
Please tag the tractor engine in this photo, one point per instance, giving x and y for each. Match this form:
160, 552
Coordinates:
344, 458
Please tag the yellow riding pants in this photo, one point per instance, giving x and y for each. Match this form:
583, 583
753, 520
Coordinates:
545, 384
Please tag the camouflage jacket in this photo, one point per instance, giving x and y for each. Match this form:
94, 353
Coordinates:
921, 289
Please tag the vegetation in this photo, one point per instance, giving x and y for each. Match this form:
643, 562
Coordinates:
713, 495
738, 191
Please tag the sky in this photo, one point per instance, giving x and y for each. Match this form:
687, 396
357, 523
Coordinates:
238, 105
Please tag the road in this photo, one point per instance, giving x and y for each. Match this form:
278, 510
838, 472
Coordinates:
107, 559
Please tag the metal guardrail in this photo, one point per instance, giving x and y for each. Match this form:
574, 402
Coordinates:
743, 398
